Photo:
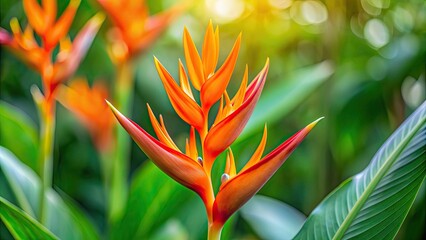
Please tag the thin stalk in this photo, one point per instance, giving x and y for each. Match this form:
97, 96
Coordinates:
46, 108
120, 162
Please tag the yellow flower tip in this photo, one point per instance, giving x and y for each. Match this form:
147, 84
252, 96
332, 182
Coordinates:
75, 3
99, 18
312, 125
14, 25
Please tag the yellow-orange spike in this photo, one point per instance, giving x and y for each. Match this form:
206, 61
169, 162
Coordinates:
65, 44
159, 132
188, 150
35, 15
216, 34
239, 96
61, 27
230, 168
259, 151
193, 61
50, 9
183, 79
163, 127
15, 27
184, 106
210, 52
193, 144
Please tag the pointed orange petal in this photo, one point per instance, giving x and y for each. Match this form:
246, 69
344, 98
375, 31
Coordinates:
193, 61
164, 138
81, 44
35, 15
230, 164
193, 144
214, 87
239, 96
225, 132
238, 190
210, 51
183, 79
50, 8
175, 164
184, 106
259, 151
61, 27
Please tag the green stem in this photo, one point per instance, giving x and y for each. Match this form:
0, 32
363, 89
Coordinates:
215, 231
46, 109
120, 162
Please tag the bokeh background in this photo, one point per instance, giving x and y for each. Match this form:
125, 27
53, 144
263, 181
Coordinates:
360, 64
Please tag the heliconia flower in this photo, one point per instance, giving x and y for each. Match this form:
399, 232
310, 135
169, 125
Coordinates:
39, 57
43, 20
192, 167
89, 106
134, 29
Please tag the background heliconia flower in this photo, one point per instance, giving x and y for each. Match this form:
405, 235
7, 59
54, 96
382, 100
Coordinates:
88, 105
192, 168
52, 33
134, 29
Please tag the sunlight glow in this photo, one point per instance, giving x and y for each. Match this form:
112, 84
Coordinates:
225, 10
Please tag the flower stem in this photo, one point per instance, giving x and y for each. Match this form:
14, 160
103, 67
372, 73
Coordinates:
215, 231
123, 99
46, 107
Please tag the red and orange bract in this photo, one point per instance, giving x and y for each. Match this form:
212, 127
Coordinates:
192, 168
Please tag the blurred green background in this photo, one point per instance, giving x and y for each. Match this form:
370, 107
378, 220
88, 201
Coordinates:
360, 64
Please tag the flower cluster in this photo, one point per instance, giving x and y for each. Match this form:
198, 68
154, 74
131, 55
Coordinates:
192, 167
52, 32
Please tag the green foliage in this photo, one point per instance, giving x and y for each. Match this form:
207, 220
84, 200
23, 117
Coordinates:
17, 127
20, 224
63, 218
272, 219
149, 204
374, 203
279, 100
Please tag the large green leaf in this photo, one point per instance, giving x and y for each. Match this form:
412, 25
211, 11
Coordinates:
18, 134
63, 218
374, 203
279, 100
20, 224
272, 219
154, 198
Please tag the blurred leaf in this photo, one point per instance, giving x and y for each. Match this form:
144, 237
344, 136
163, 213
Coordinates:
374, 203
272, 219
279, 100
65, 222
20, 224
154, 198
172, 229
18, 133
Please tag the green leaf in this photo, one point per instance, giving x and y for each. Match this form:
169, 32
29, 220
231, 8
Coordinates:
374, 203
65, 221
20, 224
272, 219
279, 100
154, 198
172, 229
17, 127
